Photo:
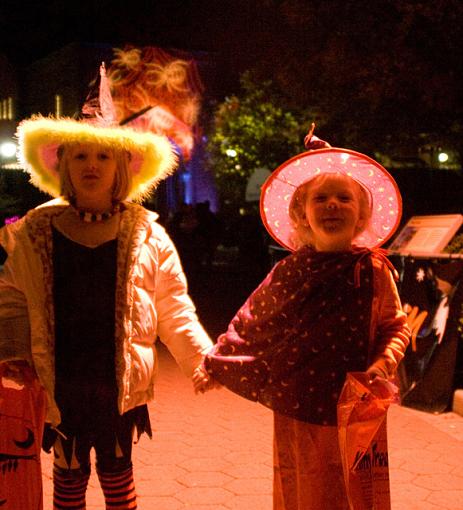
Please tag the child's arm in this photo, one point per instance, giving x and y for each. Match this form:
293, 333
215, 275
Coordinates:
391, 333
178, 324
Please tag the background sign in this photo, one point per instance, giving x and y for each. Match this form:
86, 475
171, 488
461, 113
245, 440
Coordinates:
426, 234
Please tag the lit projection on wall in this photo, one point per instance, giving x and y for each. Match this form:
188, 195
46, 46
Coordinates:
154, 90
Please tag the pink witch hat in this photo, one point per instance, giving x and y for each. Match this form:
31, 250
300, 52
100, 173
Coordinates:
321, 158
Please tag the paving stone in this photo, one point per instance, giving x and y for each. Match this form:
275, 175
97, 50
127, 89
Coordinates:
205, 507
203, 464
250, 486
204, 479
251, 502
424, 466
204, 496
412, 504
450, 499
167, 471
238, 458
399, 476
207, 451
439, 482
251, 470
406, 496
158, 503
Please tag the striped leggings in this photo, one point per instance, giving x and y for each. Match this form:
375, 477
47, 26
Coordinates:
70, 486
71, 473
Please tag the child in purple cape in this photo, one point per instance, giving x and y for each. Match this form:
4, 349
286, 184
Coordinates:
329, 308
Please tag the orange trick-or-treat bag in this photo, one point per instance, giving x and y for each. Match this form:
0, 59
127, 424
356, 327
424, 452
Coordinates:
362, 432
22, 414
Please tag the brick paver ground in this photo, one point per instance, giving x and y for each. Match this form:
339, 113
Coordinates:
214, 452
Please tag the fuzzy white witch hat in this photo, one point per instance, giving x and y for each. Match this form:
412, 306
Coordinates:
152, 157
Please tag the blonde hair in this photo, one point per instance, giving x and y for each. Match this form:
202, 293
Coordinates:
122, 181
303, 235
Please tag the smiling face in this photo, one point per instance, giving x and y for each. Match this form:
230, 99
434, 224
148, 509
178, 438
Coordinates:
333, 212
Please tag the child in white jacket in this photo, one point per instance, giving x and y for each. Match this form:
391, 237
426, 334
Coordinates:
89, 281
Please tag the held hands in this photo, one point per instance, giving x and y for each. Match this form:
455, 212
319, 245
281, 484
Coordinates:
202, 381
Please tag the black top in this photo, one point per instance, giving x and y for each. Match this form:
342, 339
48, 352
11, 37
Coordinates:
84, 297
84, 287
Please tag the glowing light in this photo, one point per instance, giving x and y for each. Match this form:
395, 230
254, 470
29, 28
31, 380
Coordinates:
150, 77
443, 157
231, 153
11, 166
344, 158
129, 59
8, 149
173, 75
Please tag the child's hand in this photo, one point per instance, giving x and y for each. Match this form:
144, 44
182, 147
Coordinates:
202, 381
376, 370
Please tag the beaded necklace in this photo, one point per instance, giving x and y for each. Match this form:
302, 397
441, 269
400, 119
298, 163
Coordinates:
91, 217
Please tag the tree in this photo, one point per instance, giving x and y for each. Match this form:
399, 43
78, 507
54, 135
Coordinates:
252, 129
378, 70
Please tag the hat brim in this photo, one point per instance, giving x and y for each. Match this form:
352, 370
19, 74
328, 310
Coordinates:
152, 156
277, 191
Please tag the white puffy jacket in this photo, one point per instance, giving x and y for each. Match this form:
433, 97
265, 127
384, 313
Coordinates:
151, 301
